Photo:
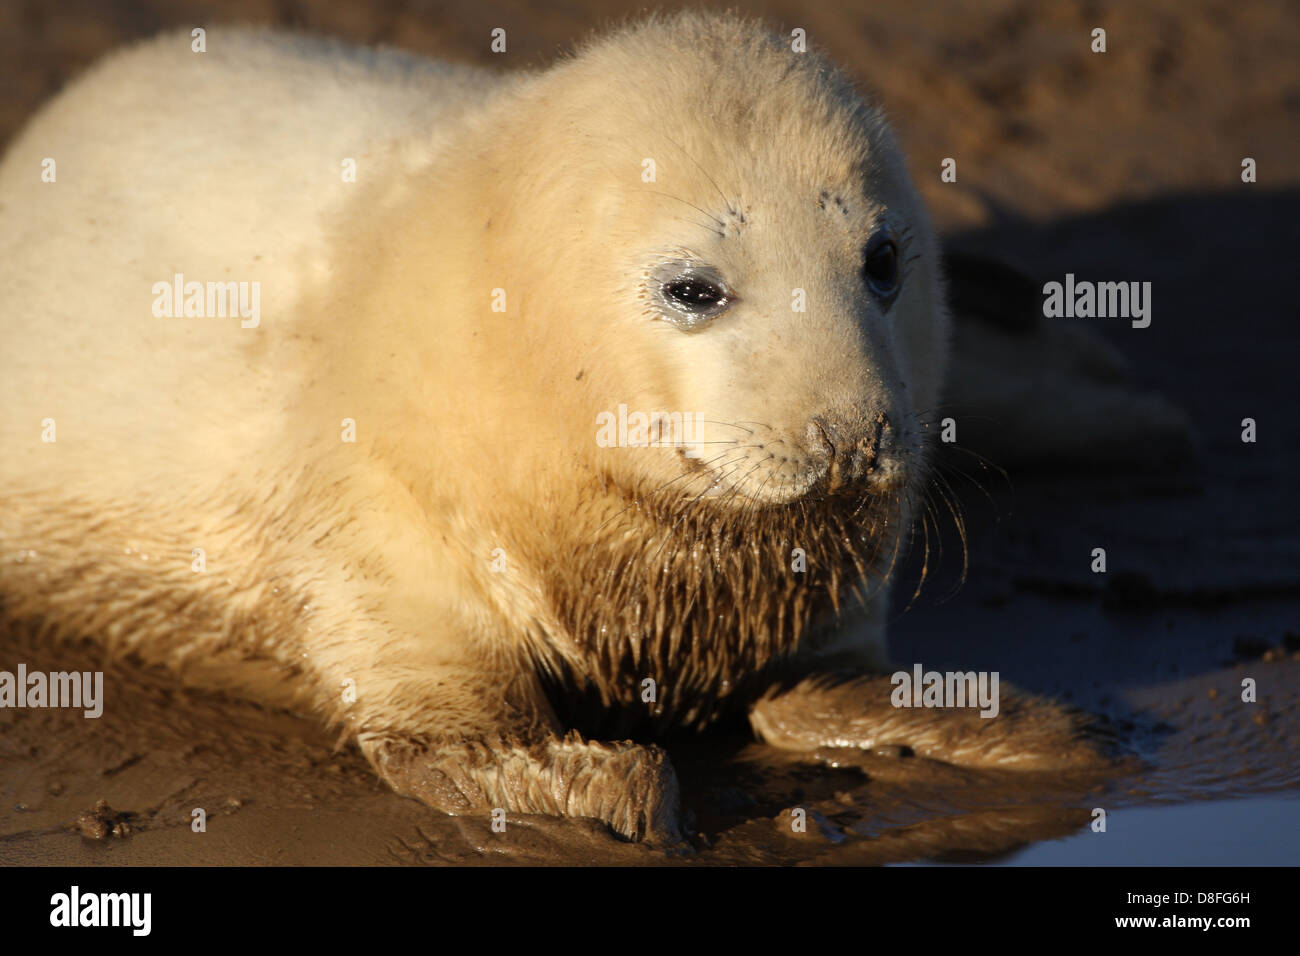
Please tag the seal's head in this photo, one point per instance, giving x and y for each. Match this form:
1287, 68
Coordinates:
748, 235
732, 292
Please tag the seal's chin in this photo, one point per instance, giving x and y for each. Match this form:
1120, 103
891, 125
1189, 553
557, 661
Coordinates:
711, 587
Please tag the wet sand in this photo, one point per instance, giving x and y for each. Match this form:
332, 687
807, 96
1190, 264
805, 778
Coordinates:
1123, 166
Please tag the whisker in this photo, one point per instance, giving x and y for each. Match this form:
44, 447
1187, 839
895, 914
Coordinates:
730, 206
705, 212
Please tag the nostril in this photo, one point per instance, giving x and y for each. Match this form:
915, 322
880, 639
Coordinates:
819, 438
870, 447
863, 450
867, 452
878, 459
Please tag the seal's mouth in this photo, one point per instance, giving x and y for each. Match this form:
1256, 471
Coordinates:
875, 458
827, 479
851, 511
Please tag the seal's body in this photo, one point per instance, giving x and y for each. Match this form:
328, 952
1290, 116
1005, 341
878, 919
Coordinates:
385, 486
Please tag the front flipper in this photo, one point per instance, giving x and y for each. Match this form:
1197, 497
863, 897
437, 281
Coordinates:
830, 712
633, 789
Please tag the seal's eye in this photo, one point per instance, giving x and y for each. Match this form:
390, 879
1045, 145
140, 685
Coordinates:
881, 268
689, 294
694, 293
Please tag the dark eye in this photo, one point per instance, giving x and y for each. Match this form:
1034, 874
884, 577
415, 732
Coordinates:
881, 268
689, 295
695, 293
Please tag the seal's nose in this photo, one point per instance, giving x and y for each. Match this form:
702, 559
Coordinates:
865, 453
